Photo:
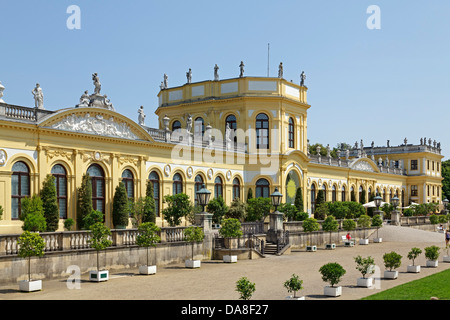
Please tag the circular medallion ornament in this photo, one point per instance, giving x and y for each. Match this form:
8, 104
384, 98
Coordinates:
3, 157
167, 170
210, 173
97, 156
189, 172
228, 175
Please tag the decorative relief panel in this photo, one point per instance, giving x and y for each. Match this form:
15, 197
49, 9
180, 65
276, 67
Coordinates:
363, 166
95, 124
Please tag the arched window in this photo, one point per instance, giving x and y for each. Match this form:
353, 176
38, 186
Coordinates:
199, 126
230, 122
291, 133
154, 179
236, 188
198, 185
361, 195
262, 131
59, 172
343, 196
324, 188
20, 187
128, 181
333, 194
313, 198
176, 125
177, 186
262, 188
98, 187
218, 187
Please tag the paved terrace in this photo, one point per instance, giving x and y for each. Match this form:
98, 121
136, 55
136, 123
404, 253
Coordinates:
215, 280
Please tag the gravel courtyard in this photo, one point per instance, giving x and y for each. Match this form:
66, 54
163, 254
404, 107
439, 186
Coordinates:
216, 280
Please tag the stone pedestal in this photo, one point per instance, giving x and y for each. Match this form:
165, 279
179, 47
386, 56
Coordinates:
275, 226
395, 218
204, 220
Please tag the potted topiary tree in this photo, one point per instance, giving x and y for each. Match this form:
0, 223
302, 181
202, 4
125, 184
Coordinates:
392, 261
377, 221
364, 222
294, 284
99, 241
231, 230
148, 237
330, 224
332, 273
310, 225
412, 255
349, 225
30, 244
120, 207
193, 235
432, 254
366, 267
245, 288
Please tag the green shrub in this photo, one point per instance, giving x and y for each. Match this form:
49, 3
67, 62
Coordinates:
192, 235
50, 203
434, 219
179, 206
245, 288
329, 225
348, 225
332, 273
294, 284
120, 207
321, 211
218, 209
92, 218
33, 214
99, 238
84, 202
258, 208
392, 260
237, 210
68, 224
432, 253
365, 265
30, 244
413, 254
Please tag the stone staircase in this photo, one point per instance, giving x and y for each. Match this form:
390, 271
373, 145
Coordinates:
270, 248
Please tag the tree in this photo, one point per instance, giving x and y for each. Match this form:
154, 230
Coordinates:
329, 225
120, 207
92, 218
364, 222
362, 198
294, 284
392, 260
148, 236
30, 244
179, 206
377, 222
249, 194
365, 265
339, 209
348, 225
352, 196
310, 225
149, 214
231, 228
413, 254
298, 202
289, 211
50, 203
192, 235
84, 202
320, 198
99, 239
321, 211
332, 273
32, 214
218, 208
445, 172
245, 288
258, 208
237, 210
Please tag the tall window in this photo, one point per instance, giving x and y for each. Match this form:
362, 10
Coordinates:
218, 187
236, 188
230, 122
176, 125
414, 164
313, 198
262, 131
324, 188
60, 175
154, 179
199, 126
177, 186
262, 188
333, 194
98, 187
198, 185
291, 133
128, 181
343, 196
361, 195
20, 187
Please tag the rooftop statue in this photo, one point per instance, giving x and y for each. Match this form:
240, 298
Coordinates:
241, 66
189, 76
38, 97
1, 91
280, 70
216, 73
302, 79
141, 116
166, 81
85, 100
97, 84
189, 124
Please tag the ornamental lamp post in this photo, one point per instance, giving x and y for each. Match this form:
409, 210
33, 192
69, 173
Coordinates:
395, 215
276, 198
204, 219
203, 196
378, 200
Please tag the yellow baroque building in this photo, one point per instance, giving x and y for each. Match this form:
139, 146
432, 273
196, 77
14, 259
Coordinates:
231, 135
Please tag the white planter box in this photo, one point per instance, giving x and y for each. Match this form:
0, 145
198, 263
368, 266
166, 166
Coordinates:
391, 274
311, 248
147, 270
296, 298
364, 282
363, 241
98, 276
331, 246
192, 264
413, 269
332, 291
349, 244
378, 240
30, 286
446, 258
230, 259
432, 263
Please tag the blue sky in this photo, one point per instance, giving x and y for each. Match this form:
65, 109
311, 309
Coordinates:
365, 84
